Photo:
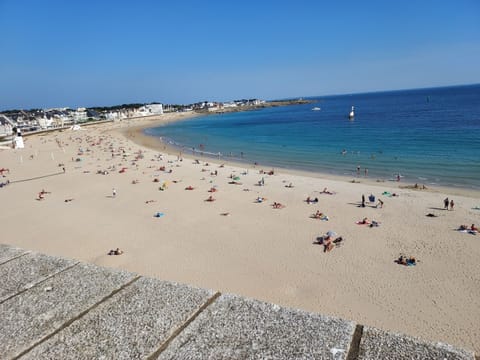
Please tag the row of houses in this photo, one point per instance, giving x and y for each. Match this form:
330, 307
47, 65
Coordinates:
39, 119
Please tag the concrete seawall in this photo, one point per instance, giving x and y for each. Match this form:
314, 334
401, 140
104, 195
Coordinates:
55, 308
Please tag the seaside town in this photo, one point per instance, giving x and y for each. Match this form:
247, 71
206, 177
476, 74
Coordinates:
26, 121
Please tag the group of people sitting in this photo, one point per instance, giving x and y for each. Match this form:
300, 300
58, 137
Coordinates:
407, 261
472, 229
329, 242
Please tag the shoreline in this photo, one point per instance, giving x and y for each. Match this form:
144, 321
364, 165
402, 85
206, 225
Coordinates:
136, 134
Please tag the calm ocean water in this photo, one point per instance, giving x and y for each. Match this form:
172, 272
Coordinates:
429, 136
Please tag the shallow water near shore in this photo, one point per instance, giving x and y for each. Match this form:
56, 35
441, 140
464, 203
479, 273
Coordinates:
428, 136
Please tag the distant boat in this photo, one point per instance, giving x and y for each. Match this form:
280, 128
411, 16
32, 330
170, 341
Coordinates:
316, 109
352, 113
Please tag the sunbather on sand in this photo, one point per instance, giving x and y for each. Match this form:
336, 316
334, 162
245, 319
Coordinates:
320, 215
403, 260
278, 205
190, 187
117, 251
210, 198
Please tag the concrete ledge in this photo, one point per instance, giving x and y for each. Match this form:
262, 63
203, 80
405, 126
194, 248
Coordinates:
379, 344
26, 271
32, 316
132, 324
237, 328
8, 253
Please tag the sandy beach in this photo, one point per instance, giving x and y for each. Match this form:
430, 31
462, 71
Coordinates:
121, 189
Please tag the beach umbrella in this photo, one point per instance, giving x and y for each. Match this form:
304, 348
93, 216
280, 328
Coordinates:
331, 233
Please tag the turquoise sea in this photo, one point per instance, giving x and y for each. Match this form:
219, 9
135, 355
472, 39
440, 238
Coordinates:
429, 136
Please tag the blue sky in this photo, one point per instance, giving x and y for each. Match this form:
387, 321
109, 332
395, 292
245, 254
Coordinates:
58, 53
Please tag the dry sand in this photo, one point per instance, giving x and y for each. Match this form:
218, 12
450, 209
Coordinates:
255, 251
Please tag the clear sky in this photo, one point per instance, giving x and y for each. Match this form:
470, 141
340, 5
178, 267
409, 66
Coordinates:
56, 53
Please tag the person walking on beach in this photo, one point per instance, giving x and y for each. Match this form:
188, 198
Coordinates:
363, 200
452, 204
114, 192
445, 203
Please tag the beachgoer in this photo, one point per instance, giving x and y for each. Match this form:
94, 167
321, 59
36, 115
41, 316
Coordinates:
210, 198
358, 170
380, 204
452, 204
363, 200
403, 260
114, 192
366, 172
473, 228
446, 202
117, 251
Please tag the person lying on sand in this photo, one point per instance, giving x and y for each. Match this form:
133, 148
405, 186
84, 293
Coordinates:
278, 205
260, 199
289, 186
149, 201
320, 215
311, 201
403, 260
190, 187
68, 200
325, 191
364, 221
210, 198
117, 251
213, 189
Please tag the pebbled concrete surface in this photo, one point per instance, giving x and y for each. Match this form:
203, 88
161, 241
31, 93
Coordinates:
132, 324
237, 328
26, 271
8, 252
35, 314
379, 344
